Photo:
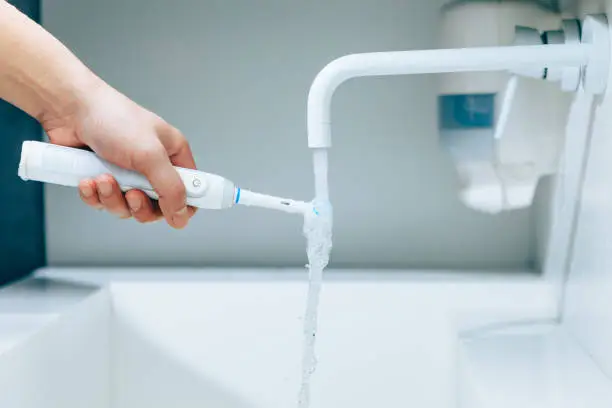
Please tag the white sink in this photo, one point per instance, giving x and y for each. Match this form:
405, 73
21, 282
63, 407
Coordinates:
172, 338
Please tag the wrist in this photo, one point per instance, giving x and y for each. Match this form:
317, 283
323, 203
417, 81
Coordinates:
71, 98
38, 73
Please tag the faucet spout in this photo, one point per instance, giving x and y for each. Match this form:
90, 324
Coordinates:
428, 62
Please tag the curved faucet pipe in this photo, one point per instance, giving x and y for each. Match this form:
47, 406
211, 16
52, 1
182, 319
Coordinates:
428, 62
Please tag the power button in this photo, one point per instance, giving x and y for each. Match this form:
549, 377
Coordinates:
195, 184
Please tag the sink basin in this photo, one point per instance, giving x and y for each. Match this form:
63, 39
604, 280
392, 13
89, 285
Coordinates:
233, 338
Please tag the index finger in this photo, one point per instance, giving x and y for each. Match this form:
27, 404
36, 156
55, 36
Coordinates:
156, 166
179, 151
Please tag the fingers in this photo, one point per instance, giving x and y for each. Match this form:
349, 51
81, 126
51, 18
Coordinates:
104, 193
111, 196
89, 194
180, 153
154, 155
141, 207
156, 166
178, 149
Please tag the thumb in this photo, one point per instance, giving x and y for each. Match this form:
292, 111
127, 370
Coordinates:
155, 165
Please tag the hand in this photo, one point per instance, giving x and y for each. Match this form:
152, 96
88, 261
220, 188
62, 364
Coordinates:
129, 136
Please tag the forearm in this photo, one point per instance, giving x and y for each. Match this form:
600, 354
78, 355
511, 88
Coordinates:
37, 73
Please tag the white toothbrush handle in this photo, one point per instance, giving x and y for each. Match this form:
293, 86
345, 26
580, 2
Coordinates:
67, 166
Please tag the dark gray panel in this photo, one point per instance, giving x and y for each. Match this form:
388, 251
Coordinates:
21, 210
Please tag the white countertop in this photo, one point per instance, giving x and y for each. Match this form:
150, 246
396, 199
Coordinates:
28, 306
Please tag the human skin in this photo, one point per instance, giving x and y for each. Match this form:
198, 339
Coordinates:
76, 108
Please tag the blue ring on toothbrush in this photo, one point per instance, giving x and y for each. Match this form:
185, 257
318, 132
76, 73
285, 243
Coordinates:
237, 195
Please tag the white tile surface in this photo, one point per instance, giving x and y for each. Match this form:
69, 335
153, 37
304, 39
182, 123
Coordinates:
568, 184
588, 305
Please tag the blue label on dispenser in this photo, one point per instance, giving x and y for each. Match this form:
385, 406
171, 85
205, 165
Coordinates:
466, 111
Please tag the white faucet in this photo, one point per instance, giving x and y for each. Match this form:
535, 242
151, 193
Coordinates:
591, 56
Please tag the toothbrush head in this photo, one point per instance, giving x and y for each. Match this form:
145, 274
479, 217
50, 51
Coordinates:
321, 208
250, 198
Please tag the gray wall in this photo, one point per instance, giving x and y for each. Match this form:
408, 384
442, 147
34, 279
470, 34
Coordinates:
234, 76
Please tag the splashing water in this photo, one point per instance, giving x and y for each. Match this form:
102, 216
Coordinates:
318, 232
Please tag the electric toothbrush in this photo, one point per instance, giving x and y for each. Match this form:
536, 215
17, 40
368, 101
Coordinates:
49, 163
